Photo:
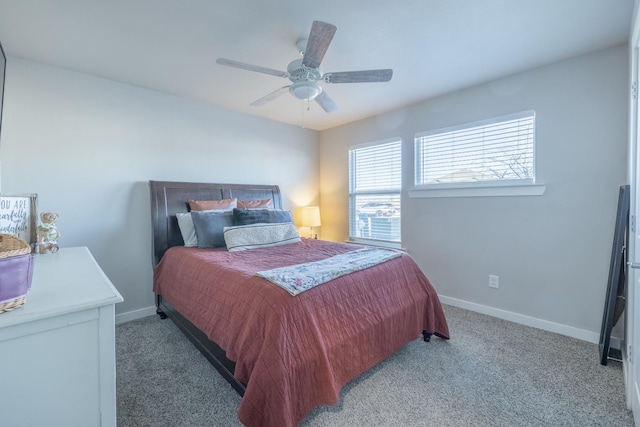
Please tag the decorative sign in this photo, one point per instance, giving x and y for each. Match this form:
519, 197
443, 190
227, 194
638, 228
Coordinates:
18, 216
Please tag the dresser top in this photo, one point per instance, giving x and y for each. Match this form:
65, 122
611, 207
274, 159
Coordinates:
68, 281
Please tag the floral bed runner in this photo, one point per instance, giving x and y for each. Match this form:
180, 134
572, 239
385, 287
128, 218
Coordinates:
302, 277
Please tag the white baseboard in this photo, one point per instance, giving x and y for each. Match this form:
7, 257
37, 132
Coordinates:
135, 314
546, 325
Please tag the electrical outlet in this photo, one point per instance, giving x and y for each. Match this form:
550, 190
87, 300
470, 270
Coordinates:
494, 281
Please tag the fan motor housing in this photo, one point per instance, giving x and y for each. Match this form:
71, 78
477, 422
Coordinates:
298, 72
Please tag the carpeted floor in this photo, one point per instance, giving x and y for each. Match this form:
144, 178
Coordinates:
491, 373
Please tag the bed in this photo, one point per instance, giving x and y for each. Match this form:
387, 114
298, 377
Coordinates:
284, 354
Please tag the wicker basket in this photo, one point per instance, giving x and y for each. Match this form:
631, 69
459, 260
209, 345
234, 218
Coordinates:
16, 271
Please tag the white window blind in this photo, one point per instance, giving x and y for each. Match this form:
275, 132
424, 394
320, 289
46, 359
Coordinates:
375, 182
494, 150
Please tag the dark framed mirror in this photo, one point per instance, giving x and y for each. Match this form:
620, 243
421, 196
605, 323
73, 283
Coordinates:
616, 286
3, 70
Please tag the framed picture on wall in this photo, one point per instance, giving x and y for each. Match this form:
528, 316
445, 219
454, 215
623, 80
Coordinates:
19, 216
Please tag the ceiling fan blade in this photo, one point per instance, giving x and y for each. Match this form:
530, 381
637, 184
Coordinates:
249, 67
319, 39
364, 76
325, 102
270, 97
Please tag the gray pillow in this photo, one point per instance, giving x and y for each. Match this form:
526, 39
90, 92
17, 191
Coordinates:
254, 216
209, 226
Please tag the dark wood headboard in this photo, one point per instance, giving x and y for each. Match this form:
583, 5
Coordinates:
169, 198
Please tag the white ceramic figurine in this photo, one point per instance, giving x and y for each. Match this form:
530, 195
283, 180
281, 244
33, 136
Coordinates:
48, 233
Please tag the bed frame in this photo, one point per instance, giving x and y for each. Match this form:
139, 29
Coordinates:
169, 198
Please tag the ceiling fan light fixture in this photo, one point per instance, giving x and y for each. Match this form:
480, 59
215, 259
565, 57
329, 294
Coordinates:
306, 72
305, 90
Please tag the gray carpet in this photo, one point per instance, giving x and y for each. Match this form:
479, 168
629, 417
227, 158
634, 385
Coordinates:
491, 373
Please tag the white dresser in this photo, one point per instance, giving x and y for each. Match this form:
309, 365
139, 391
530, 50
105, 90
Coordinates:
57, 351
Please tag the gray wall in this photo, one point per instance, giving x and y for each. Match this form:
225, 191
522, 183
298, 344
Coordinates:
89, 146
552, 251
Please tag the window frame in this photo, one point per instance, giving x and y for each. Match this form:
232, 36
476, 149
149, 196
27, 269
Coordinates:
497, 187
385, 192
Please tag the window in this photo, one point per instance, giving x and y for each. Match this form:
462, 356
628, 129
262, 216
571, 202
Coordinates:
498, 151
375, 182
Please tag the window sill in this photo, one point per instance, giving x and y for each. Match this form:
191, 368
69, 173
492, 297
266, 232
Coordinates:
377, 243
486, 191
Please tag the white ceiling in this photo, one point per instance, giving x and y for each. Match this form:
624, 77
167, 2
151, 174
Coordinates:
433, 46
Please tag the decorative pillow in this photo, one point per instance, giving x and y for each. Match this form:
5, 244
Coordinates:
254, 236
255, 204
254, 216
185, 223
209, 226
208, 205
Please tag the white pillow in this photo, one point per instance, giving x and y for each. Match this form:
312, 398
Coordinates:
260, 235
188, 231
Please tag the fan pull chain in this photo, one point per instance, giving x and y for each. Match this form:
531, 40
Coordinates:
308, 106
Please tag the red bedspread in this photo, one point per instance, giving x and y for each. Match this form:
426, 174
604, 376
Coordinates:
296, 353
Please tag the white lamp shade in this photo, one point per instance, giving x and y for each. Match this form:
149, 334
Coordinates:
311, 216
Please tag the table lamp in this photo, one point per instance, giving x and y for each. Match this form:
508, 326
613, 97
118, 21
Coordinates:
311, 218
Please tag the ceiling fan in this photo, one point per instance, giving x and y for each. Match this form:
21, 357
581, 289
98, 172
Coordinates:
305, 73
